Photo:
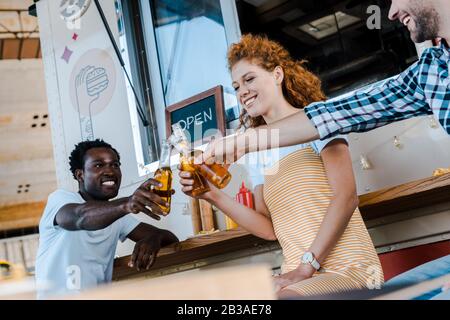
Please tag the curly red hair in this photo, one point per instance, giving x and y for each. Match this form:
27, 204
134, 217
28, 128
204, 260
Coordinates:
300, 87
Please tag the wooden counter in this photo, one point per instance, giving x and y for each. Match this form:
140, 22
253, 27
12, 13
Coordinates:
376, 204
408, 196
195, 249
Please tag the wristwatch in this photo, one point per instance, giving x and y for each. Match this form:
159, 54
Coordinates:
309, 258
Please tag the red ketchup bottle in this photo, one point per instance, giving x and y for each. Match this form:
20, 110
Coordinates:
244, 197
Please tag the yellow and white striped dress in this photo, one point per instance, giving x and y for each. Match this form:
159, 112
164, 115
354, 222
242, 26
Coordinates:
298, 197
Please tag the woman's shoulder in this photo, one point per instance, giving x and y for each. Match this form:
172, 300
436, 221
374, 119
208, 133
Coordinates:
319, 145
261, 160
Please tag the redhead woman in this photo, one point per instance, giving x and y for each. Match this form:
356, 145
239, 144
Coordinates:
307, 197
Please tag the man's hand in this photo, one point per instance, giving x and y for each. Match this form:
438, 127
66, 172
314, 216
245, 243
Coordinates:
301, 273
144, 198
145, 252
224, 150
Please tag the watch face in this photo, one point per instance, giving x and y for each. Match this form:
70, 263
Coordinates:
308, 257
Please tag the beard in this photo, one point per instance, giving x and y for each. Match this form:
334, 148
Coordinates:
426, 22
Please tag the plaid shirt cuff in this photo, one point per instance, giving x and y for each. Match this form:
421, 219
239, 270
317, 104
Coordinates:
322, 120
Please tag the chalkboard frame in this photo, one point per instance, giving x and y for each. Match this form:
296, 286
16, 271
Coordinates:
217, 92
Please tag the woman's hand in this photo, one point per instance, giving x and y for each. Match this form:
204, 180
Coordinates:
187, 181
301, 273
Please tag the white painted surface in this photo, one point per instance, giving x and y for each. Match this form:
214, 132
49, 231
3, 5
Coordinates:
422, 150
112, 124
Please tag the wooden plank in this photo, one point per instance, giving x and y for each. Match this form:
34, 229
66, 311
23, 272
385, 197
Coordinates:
11, 48
232, 283
21, 216
195, 215
206, 215
38, 51
20, 48
23, 181
16, 192
14, 5
21, 122
408, 196
193, 249
29, 48
15, 93
16, 147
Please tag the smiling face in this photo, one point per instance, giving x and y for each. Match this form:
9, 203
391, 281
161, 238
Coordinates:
100, 177
419, 16
257, 89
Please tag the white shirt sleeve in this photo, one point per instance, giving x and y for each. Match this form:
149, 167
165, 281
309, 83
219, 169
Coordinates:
253, 163
56, 201
319, 145
128, 224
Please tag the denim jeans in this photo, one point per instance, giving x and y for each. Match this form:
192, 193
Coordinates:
427, 271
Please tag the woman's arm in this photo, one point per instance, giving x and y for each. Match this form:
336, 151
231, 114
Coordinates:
256, 221
338, 167
325, 119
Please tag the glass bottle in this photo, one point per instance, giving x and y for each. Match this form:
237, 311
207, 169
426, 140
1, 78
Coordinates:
187, 155
164, 175
217, 174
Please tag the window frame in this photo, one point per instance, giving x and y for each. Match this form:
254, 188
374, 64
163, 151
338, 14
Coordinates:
150, 70
146, 148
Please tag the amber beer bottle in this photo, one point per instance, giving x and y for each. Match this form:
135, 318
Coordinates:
164, 175
187, 155
217, 174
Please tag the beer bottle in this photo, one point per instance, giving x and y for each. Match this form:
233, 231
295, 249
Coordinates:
164, 175
217, 174
187, 155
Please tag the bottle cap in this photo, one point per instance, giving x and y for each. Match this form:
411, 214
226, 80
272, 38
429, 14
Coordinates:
243, 189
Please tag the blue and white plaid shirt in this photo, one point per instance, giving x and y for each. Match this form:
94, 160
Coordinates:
422, 89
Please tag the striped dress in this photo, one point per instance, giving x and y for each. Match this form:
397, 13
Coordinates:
298, 197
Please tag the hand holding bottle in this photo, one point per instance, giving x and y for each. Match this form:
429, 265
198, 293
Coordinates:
146, 201
164, 176
188, 183
215, 173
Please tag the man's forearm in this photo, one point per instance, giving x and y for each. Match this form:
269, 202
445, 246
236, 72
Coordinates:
168, 238
289, 131
96, 215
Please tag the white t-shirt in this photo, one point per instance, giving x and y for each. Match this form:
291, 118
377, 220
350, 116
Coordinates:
262, 163
71, 261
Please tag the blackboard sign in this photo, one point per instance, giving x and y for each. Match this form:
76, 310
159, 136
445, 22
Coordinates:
201, 115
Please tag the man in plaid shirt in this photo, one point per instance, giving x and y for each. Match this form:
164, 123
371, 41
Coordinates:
422, 89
